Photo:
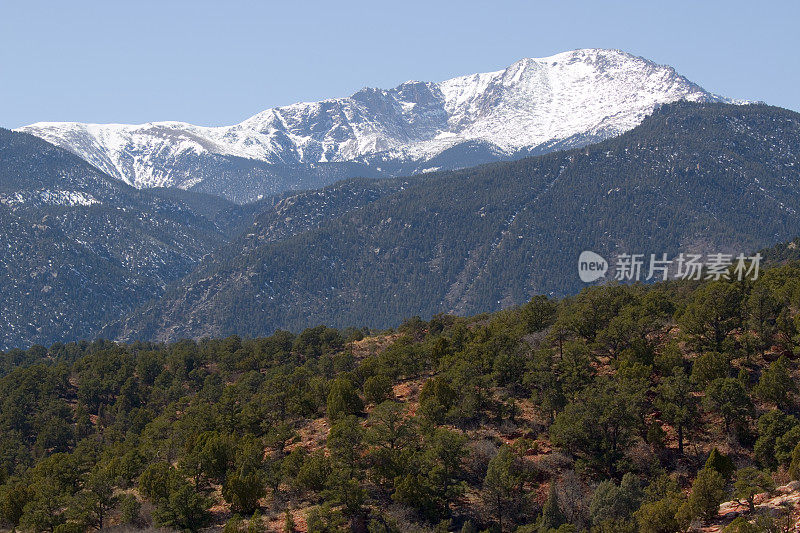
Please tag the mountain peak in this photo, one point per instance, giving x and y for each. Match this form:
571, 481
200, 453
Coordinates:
533, 105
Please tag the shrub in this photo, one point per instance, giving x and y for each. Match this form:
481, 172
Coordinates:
377, 389
343, 399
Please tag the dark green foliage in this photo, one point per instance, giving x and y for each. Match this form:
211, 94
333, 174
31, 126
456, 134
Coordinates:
505, 409
97, 498
762, 524
600, 423
377, 389
313, 473
130, 509
776, 385
156, 481
721, 463
784, 445
552, 517
749, 482
677, 404
794, 465
772, 426
659, 512
343, 399
242, 489
344, 442
431, 482
209, 456
391, 434
502, 487
324, 519
436, 398
318, 341
728, 398
481, 239
614, 504
345, 489
13, 498
709, 366
711, 315
708, 491
763, 308
178, 504
184, 509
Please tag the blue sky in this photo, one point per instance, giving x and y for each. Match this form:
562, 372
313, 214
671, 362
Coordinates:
215, 63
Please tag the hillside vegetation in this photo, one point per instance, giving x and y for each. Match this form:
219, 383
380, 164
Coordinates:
699, 178
79, 248
622, 409
83, 254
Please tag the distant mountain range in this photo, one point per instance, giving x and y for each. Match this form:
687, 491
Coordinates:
157, 231
707, 178
532, 107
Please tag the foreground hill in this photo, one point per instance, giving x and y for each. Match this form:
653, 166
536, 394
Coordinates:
533, 106
79, 248
691, 178
622, 409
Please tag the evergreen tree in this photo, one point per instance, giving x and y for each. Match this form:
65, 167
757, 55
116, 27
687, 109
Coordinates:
794, 465
727, 397
712, 314
552, 517
776, 385
762, 310
708, 491
721, 463
377, 389
772, 427
677, 404
502, 487
343, 399
750, 482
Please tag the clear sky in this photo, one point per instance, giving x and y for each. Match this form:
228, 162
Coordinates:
216, 63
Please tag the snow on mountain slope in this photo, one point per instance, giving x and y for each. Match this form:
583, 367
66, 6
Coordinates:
567, 99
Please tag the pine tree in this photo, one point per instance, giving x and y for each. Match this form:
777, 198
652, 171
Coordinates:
794, 466
677, 404
721, 463
777, 385
343, 399
708, 491
552, 517
502, 484
749, 482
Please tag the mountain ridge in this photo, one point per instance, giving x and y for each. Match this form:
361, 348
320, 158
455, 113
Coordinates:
79, 248
535, 105
691, 178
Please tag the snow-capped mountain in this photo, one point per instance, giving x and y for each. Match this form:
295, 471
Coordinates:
533, 106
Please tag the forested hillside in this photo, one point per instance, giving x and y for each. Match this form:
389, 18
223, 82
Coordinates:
621, 409
83, 254
79, 248
691, 178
